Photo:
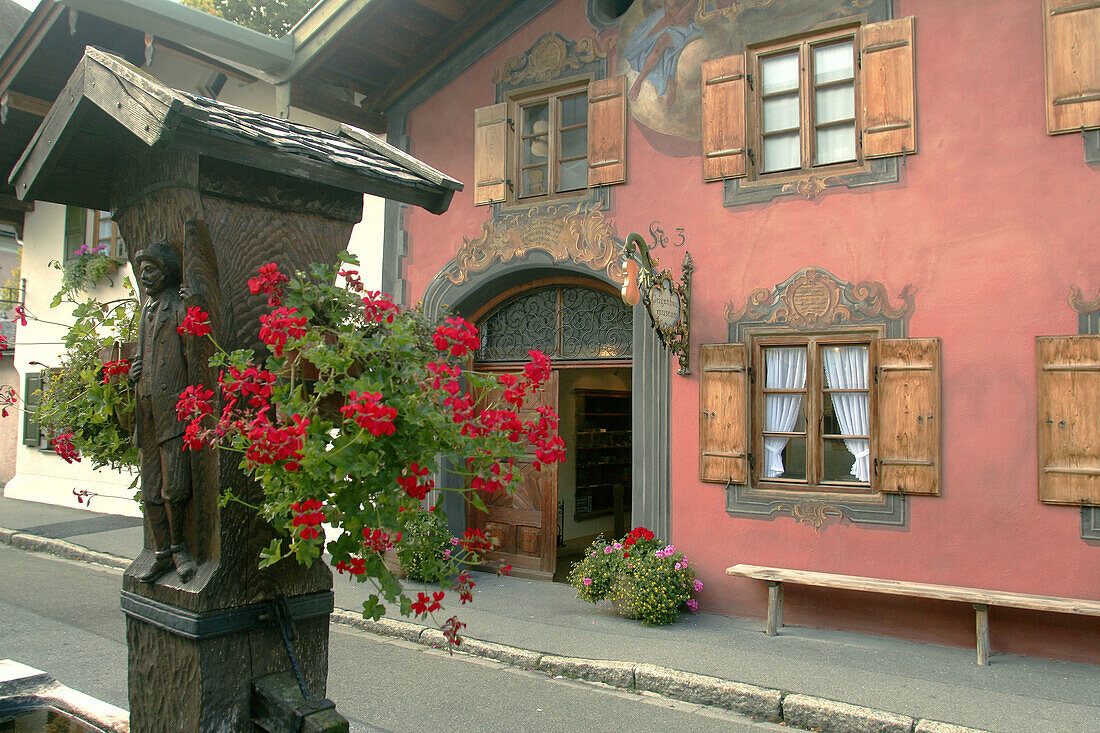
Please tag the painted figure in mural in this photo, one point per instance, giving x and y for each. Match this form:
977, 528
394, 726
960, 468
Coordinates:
656, 44
159, 374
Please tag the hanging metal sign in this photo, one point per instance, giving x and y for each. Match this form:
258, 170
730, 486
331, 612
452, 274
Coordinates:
667, 302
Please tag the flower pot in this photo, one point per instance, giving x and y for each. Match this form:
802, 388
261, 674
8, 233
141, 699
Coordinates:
622, 597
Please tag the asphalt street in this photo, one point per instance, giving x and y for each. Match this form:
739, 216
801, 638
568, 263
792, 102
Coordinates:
63, 617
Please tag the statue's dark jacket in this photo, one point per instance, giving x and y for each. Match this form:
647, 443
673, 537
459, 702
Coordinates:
163, 365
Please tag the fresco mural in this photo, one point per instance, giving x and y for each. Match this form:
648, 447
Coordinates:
661, 45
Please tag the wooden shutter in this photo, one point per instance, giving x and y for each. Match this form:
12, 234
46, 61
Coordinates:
888, 88
907, 416
607, 131
490, 154
724, 414
724, 139
1069, 419
1071, 35
76, 228
32, 431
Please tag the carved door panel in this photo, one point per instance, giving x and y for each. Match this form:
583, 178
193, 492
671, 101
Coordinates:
525, 523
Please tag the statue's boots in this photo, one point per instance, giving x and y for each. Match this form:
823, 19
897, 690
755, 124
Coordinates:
162, 562
185, 566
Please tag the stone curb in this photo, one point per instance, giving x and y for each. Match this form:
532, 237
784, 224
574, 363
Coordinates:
61, 548
794, 710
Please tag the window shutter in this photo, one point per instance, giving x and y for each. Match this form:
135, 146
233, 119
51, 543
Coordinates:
723, 422
1069, 419
907, 416
1071, 34
607, 131
724, 140
490, 154
76, 229
32, 431
888, 88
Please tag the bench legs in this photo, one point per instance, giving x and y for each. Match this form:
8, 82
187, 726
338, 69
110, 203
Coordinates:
775, 607
981, 624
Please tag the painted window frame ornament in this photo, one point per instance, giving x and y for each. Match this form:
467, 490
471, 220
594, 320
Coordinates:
667, 302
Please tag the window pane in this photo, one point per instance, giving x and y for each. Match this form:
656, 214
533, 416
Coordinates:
836, 144
573, 175
785, 367
574, 110
784, 413
535, 119
534, 181
534, 150
835, 103
104, 225
846, 460
833, 63
845, 367
781, 113
785, 458
845, 413
574, 142
779, 73
781, 152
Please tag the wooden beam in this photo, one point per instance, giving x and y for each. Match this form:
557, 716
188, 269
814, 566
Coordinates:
311, 99
10, 202
27, 41
24, 103
775, 608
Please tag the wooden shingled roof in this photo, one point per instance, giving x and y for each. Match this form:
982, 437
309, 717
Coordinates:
109, 106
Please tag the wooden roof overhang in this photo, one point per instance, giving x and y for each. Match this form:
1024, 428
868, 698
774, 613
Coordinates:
109, 108
381, 49
33, 71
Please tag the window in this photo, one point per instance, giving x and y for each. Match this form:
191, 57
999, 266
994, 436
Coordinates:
805, 102
105, 235
550, 142
830, 99
834, 411
92, 230
553, 144
813, 398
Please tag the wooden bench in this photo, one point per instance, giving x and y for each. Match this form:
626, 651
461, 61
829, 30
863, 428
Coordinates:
981, 599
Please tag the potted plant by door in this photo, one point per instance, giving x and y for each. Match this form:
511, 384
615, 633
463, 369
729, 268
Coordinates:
644, 578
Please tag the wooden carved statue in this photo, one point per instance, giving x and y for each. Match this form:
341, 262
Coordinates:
160, 373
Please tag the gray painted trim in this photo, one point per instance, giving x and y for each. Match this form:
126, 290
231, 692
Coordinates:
883, 170
1090, 522
891, 512
1089, 323
1092, 146
651, 477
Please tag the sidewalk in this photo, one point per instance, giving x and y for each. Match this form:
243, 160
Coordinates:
543, 622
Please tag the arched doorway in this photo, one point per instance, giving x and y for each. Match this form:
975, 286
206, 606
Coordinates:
586, 330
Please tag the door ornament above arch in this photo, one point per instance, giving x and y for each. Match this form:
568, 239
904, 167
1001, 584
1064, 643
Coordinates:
577, 232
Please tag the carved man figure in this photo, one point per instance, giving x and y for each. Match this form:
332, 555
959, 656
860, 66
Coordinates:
160, 374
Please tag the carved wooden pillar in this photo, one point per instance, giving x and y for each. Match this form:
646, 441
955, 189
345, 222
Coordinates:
195, 648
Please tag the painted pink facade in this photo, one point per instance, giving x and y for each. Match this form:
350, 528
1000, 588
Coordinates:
991, 222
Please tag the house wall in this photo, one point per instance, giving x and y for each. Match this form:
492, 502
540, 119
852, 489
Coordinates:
990, 223
40, 475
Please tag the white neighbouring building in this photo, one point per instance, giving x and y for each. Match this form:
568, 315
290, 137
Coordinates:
185, 49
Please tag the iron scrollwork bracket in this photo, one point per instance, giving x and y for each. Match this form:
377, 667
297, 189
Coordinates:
668, 303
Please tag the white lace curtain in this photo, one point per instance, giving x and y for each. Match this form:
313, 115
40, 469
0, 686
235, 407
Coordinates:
846, 368
784, 368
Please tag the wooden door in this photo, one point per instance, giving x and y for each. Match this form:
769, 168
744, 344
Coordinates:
525, 523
